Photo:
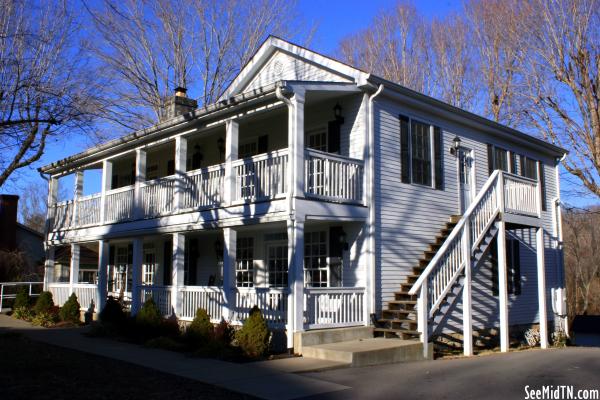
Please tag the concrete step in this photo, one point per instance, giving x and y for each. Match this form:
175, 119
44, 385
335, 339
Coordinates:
324, 336
374, 351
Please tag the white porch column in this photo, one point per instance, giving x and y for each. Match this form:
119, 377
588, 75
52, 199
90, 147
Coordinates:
295, 323
52, 197
296, 145
229, 257
541, 278
106, 186
49, 267
136, 275
74, 270
140, 177
178, 269
466, 298
180, 170
78, 192
502, 285
102, 284
231, 154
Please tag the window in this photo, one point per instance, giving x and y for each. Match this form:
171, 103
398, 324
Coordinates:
244, 262
149, 266
513, 266
498, 159
277, 264
528, 167
421, 153
317, 139
316, 271
248, 149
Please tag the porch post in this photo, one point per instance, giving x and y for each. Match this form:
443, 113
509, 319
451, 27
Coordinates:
466, 299
52, 197
136, 275
106, 183
101, 286
49, 267
178, 269
231, 154
140, 177
296, 145
295, 323
229, 257
78, 192
541, 278
502, 285
180, 170
74, 272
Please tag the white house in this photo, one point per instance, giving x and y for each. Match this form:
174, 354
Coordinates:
325, 195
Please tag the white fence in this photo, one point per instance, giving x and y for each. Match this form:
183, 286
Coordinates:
161, 296
157, 196
332, 177
87, 294
119, 204
262, 176
210, 298
272, 303
334, 307
60, 292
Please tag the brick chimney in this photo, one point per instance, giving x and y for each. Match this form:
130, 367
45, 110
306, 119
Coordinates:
178, 104
8, 221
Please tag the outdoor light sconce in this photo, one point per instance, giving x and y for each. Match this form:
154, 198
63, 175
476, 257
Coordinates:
454, 148
343, 240
221, 146
337, 112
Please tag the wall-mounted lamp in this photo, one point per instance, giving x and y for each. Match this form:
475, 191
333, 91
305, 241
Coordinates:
337, 112
455, 146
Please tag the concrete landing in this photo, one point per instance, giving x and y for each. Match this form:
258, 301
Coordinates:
364, 352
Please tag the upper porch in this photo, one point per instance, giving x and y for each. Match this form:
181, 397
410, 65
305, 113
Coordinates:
247, 163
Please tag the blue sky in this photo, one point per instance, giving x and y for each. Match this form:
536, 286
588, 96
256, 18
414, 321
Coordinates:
335, 19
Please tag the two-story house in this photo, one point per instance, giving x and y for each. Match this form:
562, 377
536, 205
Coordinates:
325, 195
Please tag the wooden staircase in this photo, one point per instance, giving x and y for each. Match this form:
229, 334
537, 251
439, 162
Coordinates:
399, 319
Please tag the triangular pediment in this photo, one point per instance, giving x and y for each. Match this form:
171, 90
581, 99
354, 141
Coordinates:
278, 60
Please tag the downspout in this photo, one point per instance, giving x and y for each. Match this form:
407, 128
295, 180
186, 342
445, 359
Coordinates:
370, 198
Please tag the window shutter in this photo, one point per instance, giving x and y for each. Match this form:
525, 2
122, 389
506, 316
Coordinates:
333, 137
170, 167
437, 149
111, 255
404, 150
263, 144
335, 247
523, 166
490, 151
542, 185
130, 253
168, 261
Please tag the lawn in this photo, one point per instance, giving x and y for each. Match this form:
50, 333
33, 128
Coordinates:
33, 370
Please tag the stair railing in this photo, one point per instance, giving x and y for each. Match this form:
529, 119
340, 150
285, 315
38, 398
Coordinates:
438, 278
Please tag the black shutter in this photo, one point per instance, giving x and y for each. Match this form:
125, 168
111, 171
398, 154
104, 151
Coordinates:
130, 253
404, 150
263, 144
516, 267
333, 137
170, 167
542, 185
490, 151
437, 150
524, 171
168, 262
336, 248
111, 255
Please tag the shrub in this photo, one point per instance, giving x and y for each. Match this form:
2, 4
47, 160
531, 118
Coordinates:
44, 319
224, 332
70, 310
201, 329
22, 300
44, 303
166, 343
149, 316
23, 313
253, 337
112, 313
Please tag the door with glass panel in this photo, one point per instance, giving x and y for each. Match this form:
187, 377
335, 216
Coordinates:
465, 177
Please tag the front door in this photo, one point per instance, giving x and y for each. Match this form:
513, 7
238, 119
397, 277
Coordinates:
465, 176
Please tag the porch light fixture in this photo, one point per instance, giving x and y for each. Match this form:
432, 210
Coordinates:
337, 112
456, 145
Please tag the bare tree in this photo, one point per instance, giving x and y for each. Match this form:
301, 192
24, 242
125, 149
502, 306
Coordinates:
148, 48
32, 205
563, 81
45, 89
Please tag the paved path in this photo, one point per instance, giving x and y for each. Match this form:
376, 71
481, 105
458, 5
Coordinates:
492, 376
268, 380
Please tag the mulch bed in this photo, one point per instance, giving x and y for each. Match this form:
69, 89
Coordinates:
33, 370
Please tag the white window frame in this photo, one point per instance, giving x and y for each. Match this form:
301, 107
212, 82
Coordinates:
432, 163
281, 277
317, 130
308, 282
244, 266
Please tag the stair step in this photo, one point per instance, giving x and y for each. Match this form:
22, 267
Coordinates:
407, 302
396, 312
455, 218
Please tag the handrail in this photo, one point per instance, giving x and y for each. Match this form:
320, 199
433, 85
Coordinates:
205, 170
455, 232
121, 189
259, 157
332, 156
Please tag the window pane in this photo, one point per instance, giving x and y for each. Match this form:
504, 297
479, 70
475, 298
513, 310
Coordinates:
421, 153
244, 263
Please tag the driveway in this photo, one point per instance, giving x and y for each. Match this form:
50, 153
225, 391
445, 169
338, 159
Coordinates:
493, 376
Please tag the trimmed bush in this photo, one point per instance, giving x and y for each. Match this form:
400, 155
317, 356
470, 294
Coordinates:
70, 310
22, 300
201, 329
149, 316
23, 313
224, 332
44, 319
112, 313
44, 303
253, 338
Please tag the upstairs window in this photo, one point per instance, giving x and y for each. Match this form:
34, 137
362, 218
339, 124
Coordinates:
529, 168
502, 159
421, 153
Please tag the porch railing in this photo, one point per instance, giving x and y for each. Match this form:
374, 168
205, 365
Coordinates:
9, 290
62, 214
332, 177
157, 196
520, 195
88, 210
262, 176
119, 204
161, 296
210, 298
271, 301
87, 294
334, 307
60, 292
202, 188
